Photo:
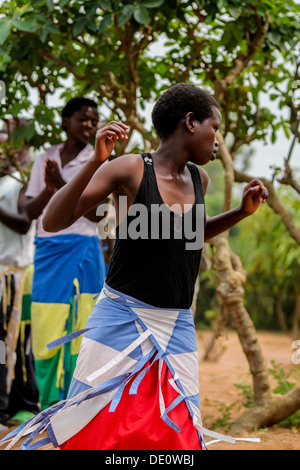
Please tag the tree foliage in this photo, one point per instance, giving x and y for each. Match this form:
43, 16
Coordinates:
239, 50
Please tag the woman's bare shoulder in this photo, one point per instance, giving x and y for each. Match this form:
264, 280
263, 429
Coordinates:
123, 174
129, 161
204, 179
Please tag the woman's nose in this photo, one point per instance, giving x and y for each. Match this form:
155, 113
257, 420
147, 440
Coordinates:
88, 124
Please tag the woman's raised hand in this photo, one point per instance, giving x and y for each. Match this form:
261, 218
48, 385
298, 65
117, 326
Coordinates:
106, 138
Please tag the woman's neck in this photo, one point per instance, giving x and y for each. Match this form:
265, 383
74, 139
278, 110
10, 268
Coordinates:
70, 150
171, 157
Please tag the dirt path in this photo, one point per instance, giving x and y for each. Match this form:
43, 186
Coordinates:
218, 390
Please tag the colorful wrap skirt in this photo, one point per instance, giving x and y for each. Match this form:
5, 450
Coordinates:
135, 385
69, 271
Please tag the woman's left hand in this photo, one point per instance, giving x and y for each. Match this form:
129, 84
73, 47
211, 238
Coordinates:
254, 194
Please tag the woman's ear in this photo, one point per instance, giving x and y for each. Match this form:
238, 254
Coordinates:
65, 123
190, 122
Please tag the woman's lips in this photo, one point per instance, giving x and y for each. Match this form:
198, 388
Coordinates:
87, 134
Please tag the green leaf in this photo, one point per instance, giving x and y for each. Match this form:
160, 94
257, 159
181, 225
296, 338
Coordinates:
104, 4
141, 14
29, 131
63, 3
5, 26
27, 26
286, 131
125, 15
22, 133
51, 28
92, 27
221, 4
5, 59
79, 26
49, 4
44, 34
22, 10
235, 12
153, 4
106, 22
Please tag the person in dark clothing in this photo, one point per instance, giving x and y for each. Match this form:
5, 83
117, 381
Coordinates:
136, 383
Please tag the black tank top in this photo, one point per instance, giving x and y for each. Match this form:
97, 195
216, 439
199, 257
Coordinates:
156, 270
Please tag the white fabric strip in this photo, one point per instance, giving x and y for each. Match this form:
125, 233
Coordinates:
246, 439
214, 434
160, 322
118, 358
160, 397
173, 384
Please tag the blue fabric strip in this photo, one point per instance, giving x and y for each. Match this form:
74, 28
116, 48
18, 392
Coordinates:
174, 403
135, 384
115, 401
36, 445
15, 431
107, 386
66, 338
26, 444
170, 423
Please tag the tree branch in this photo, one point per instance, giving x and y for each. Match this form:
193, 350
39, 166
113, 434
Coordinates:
288, 178
275, 204
229, 172
68, 67
243, 58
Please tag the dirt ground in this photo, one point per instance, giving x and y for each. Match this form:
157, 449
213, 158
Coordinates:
218, 391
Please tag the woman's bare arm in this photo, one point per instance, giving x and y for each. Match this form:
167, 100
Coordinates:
254, 194
93, 183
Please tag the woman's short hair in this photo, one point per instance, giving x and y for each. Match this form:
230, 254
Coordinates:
175, 103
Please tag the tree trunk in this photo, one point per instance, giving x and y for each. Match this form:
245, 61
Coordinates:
194, 303
280, 314
210, 354
296, 320
269, 412
232, 292
267, 409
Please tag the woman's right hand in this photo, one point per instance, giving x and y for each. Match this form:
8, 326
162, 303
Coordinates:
52, 176
106, 138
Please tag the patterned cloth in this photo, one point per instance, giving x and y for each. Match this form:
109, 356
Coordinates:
122, 336
69, 271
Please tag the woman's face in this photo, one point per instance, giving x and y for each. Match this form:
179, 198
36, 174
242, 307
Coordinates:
82, 125
204, 143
